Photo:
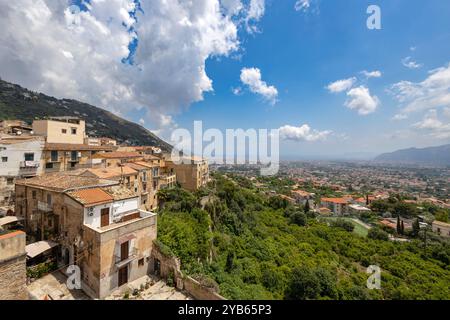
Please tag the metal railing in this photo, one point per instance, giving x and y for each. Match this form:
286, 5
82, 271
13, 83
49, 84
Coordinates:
132, 254
29, 164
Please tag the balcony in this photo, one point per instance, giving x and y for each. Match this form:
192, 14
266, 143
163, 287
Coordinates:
43, 206
136, 217
29, 164
121, 261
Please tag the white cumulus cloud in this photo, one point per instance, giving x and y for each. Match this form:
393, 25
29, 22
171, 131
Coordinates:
302, 133
431, 93
45, 46
409, 63
252, 78
341, 85
372, 74
361, 100
434, 126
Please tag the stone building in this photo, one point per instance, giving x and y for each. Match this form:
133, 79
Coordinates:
13, 274
58, 157
114, 159
96, 223
191, 173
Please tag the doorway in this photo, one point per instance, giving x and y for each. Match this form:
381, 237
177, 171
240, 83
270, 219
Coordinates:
104, 217
123, 275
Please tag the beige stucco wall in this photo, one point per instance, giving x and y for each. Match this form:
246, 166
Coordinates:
53, 131
99, 270
191, 176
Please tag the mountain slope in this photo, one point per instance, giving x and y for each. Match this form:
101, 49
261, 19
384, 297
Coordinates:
433, 155
19, 103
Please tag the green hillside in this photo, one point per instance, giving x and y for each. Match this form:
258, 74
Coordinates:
19, 103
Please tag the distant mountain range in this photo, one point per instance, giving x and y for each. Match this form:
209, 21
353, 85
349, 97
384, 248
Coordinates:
433, 155
19, 103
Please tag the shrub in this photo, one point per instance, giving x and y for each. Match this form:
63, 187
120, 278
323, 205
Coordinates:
299, 218
343, 224
378, 234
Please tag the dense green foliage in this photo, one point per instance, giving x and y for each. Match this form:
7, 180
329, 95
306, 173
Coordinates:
256, 247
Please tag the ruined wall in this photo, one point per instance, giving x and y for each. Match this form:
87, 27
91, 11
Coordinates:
198, 291
170, 266
13, 267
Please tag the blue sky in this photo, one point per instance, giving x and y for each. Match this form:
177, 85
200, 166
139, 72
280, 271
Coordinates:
300, 53
233, 64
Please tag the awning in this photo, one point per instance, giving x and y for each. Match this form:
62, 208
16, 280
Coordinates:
37, 248
8, 220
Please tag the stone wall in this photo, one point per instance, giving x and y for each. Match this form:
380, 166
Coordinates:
13, 266
170, 266
198, 291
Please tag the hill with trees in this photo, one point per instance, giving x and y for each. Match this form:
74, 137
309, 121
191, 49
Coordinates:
256, 247
431, 156
22, 104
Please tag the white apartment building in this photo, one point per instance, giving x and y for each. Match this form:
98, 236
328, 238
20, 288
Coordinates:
19, 158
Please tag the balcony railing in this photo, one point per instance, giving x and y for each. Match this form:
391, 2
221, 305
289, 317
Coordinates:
120, 260
43, 206
29, 164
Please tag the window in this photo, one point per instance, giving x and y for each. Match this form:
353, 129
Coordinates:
141, 262
49, 166
54, 156
73, 130
4, 159
29, 156
34, 194
64, 131
49, 199
9, 181
73, 155
72, 165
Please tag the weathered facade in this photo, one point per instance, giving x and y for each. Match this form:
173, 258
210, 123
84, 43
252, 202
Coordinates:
191, 173
97, 224
13, 266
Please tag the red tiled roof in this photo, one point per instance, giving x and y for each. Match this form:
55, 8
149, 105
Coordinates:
91, 197
107, 173
64, 181
335, 200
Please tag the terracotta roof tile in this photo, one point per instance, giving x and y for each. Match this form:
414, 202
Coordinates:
64, 181
120, 193
335, 200
110, 173
91, 197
